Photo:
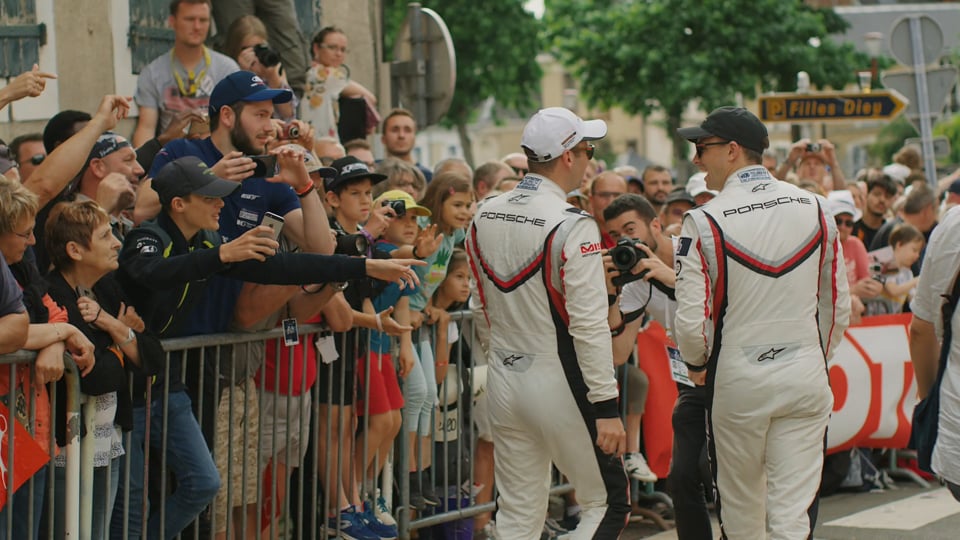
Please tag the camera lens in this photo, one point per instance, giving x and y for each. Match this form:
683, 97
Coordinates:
398, 207
265, 55
293, 132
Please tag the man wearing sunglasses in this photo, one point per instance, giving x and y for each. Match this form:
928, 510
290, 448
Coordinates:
517, 162
762, 302
538, 270
29, 152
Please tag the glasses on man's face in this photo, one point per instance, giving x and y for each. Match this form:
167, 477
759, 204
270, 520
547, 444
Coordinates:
841, 222
333, 48
25, 235
701, 147
589, 150
519, 171
37, 159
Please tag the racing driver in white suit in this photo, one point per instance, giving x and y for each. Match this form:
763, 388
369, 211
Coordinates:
552, 393
762, 302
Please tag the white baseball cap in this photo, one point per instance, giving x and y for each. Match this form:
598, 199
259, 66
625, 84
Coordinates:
697, 184
554, 130
840, 201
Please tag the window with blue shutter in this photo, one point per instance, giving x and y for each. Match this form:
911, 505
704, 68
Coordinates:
21, 37
308, 12
149, 35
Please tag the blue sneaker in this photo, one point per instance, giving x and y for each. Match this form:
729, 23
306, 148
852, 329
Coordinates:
374, 525
351, 527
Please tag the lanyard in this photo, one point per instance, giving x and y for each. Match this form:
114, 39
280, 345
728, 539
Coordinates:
194, 80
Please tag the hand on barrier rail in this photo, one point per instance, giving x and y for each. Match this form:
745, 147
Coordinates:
431, 314
81, 348
611, 437
49, 365
389, 325
255, 244
395, 270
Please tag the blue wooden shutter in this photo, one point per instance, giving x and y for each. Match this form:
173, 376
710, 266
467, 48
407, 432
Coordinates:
20, 37
308, 12
149, 35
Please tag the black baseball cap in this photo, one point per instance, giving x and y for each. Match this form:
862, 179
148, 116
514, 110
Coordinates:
733, 124
190, 176
350, 168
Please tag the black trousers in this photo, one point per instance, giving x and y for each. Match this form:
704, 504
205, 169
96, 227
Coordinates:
690, 479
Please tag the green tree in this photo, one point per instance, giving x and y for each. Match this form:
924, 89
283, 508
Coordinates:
496, 43
663, 55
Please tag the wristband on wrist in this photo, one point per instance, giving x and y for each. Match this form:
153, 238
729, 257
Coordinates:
415, 256
696, 369
306, 191
379, 323
131, 335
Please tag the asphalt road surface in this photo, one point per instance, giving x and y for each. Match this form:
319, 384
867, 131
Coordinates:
906, 512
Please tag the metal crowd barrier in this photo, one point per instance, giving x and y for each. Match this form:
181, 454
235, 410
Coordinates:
20, 394
218, 365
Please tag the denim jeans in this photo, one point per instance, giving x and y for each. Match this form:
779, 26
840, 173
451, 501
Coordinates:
21, 509
187, 456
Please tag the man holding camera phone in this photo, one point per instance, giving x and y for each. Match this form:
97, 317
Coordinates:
537, 267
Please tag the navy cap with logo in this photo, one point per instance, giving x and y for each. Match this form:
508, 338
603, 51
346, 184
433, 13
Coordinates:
190, 176
733, 124
245, 86
350, 168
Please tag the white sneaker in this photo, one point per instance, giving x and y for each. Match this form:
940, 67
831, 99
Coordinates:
382, 512
637, 467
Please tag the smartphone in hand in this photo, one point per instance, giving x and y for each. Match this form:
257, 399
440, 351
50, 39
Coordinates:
266, 166
275, 222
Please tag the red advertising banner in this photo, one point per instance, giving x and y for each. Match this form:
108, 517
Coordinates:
871, 376
28, 455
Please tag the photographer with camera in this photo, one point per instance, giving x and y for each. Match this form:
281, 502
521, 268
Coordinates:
640, 284
816, 162
246, 42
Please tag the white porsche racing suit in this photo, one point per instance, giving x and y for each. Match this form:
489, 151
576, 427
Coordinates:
539, 280
762, 303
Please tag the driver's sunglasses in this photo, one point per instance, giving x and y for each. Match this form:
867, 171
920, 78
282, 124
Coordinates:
590, 149
519, 171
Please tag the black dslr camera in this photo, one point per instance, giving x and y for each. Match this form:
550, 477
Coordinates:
265, 55
625, 256
398, 206
353, 245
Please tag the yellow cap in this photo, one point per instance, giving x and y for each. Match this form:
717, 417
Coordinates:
408, 202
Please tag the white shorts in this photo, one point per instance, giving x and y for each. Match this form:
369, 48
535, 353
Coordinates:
290, 416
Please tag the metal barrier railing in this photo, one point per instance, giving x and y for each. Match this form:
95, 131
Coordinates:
21, 402
222, 456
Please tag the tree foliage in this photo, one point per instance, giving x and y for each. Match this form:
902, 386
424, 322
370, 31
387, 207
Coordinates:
496, 43
661, 55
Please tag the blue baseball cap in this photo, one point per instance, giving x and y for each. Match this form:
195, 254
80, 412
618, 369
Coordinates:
245, 86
